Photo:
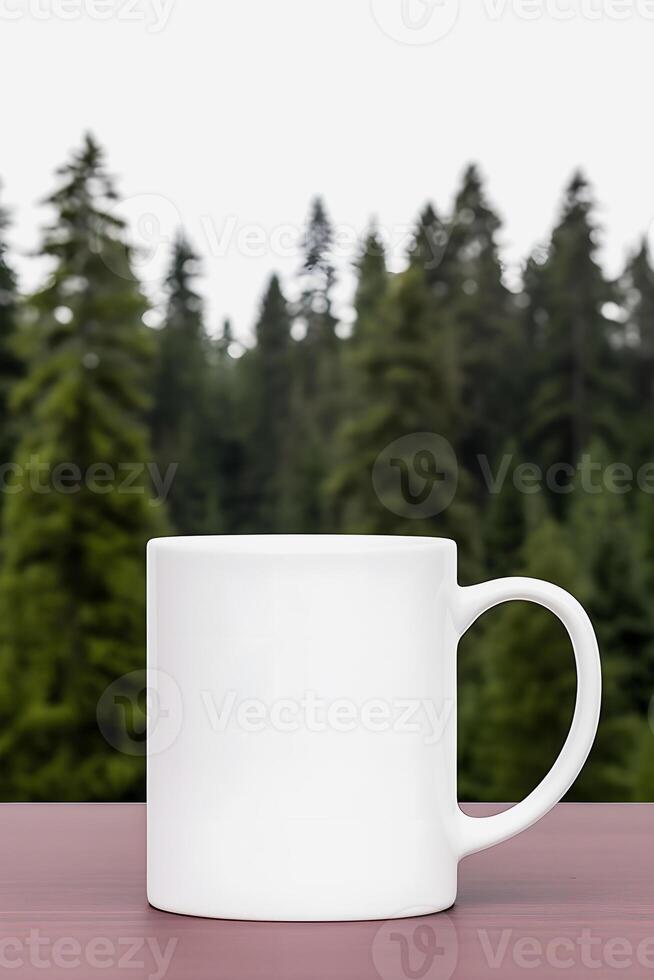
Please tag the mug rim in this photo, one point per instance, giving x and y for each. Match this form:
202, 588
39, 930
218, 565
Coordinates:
302, 544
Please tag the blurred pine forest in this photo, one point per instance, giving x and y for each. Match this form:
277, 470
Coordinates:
555, 378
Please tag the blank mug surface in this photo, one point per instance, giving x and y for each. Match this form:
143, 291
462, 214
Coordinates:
302, 726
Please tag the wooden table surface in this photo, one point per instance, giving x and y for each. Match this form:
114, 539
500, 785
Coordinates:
572, 897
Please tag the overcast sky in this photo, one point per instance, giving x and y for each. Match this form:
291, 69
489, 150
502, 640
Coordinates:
227, 117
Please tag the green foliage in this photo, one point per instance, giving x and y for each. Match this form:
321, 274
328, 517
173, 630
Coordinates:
637, 353
267, 370
72, 579
320, 427
316, 381
182, 418
524, 704
9, 362
406, 383
576, 386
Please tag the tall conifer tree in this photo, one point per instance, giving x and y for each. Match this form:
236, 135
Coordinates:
81, 508
266, 370
484, 319
372, 281
575, 384
316, 382
637, 353
181, 414
406, 387
9, 361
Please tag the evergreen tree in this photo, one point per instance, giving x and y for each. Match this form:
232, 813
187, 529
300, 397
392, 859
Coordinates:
372, 280
576, 385
316, 380
228, 398
529, 689
181, 419
506, 519
267, 374
484, 317
429, 253
406, 388
637, 354
9, 361
80, 511
529, 683
317, 280
605, 537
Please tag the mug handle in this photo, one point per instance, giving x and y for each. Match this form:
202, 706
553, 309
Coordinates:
477, 833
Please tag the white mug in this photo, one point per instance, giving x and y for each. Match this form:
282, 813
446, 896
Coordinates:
302, 741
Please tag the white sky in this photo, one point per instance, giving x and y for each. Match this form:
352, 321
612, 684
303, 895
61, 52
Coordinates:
228, 117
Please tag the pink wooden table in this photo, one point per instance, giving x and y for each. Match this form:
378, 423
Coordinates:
572, 897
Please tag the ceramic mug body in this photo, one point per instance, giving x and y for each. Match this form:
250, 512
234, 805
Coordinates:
302, 749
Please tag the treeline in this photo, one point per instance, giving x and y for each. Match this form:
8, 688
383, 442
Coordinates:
544, 394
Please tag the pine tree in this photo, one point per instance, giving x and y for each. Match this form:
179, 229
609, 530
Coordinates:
406, 389
316, 380
637, 354
529, 689
604, 536
267, 374
225, 451
317, 280
429, 253
606, 540
529, 680
372, 281
369, 302
181, 419
506, 518
9, 361
484, 317
80, 511
576, 385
